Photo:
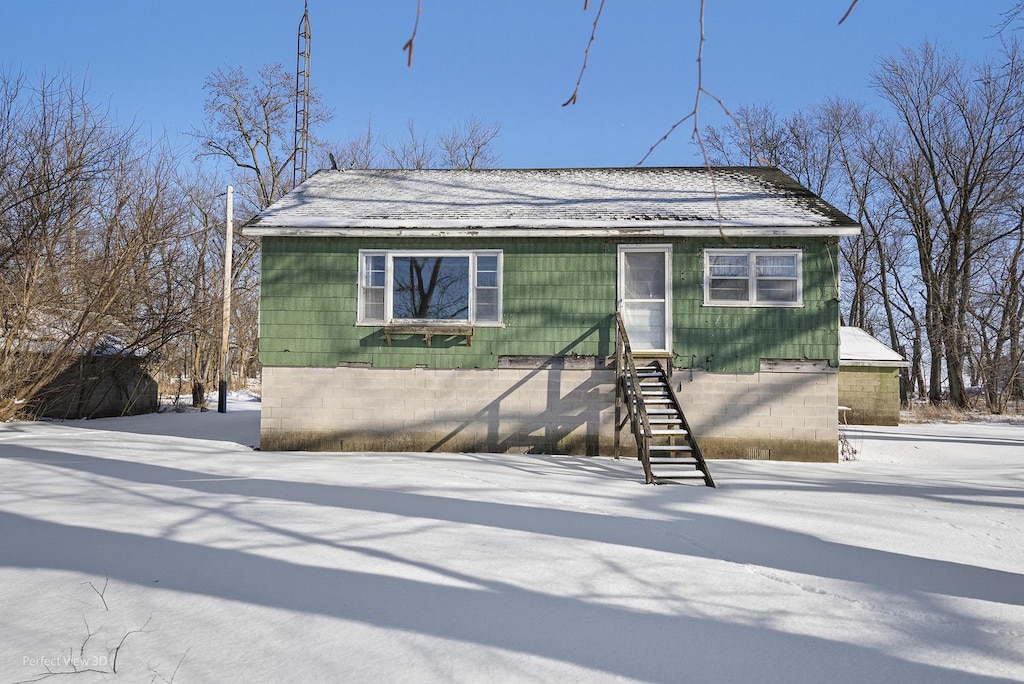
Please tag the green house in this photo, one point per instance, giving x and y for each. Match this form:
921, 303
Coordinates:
475, 310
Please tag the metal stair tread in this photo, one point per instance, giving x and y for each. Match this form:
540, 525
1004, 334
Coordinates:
696, 474
654, 407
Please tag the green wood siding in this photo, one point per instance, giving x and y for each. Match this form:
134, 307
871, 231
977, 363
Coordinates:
558, 299
734, 339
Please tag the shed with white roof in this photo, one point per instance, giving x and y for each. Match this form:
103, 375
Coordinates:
869, 379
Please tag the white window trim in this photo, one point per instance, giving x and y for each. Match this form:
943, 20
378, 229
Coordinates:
620, 286
390, 255
752, 277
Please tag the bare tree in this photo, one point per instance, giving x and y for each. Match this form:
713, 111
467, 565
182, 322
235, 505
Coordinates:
995, 316
89, 221
469, 146
361, 152
876, 261
414, 151
958, 153
466, 146
251, 124
752, 137
196, 352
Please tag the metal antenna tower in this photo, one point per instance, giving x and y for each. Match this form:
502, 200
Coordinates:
300, 161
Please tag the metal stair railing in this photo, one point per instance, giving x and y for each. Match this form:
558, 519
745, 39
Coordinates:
627, 393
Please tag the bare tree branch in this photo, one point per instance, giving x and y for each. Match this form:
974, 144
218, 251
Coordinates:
695, 112
848, 12
415, 28
101, 593
586, 54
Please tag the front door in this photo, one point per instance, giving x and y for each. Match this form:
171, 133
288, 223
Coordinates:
645, 296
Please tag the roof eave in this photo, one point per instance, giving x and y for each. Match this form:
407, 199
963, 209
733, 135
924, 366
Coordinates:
874, 363
586, 230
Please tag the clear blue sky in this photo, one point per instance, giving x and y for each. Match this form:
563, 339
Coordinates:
510, 62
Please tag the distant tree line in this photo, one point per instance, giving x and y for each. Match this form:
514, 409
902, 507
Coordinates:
937, 181
112, 242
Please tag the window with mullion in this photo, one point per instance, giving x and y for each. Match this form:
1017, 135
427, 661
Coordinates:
373, 282
738, 277
487, 292
429, 287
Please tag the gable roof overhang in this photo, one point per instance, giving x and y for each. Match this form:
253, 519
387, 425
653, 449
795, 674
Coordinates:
532, 203
582, 229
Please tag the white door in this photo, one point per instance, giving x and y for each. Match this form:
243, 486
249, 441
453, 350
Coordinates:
645, 295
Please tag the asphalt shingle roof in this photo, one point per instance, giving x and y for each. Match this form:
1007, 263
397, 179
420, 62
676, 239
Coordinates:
602, 201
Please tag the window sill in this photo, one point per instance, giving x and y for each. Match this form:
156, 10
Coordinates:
757, 305
429, 331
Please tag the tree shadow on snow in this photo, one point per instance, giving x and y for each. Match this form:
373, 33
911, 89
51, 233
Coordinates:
617, 640
624, 642
732, 540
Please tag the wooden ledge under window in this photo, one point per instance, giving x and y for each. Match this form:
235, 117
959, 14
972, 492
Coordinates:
429, 331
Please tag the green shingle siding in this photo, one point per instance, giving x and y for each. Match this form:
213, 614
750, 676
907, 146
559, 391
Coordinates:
734, 339
559, 296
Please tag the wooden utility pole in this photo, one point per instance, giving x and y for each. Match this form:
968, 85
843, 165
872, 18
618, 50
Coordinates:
222, 391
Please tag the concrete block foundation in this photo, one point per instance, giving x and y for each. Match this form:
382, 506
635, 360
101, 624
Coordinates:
787, 411
872, 393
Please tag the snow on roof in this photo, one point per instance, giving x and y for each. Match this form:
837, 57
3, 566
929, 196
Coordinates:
59, 331
685, 201
858, 348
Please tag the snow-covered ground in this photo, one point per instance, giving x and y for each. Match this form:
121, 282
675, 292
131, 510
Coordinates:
165, 542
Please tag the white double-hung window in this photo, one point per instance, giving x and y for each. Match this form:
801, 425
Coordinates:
429, 286
753, 277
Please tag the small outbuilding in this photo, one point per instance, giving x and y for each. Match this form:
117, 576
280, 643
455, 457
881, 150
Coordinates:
56, 371
106, 381
869, 379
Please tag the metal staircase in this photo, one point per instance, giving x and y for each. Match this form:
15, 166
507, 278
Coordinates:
664, 443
